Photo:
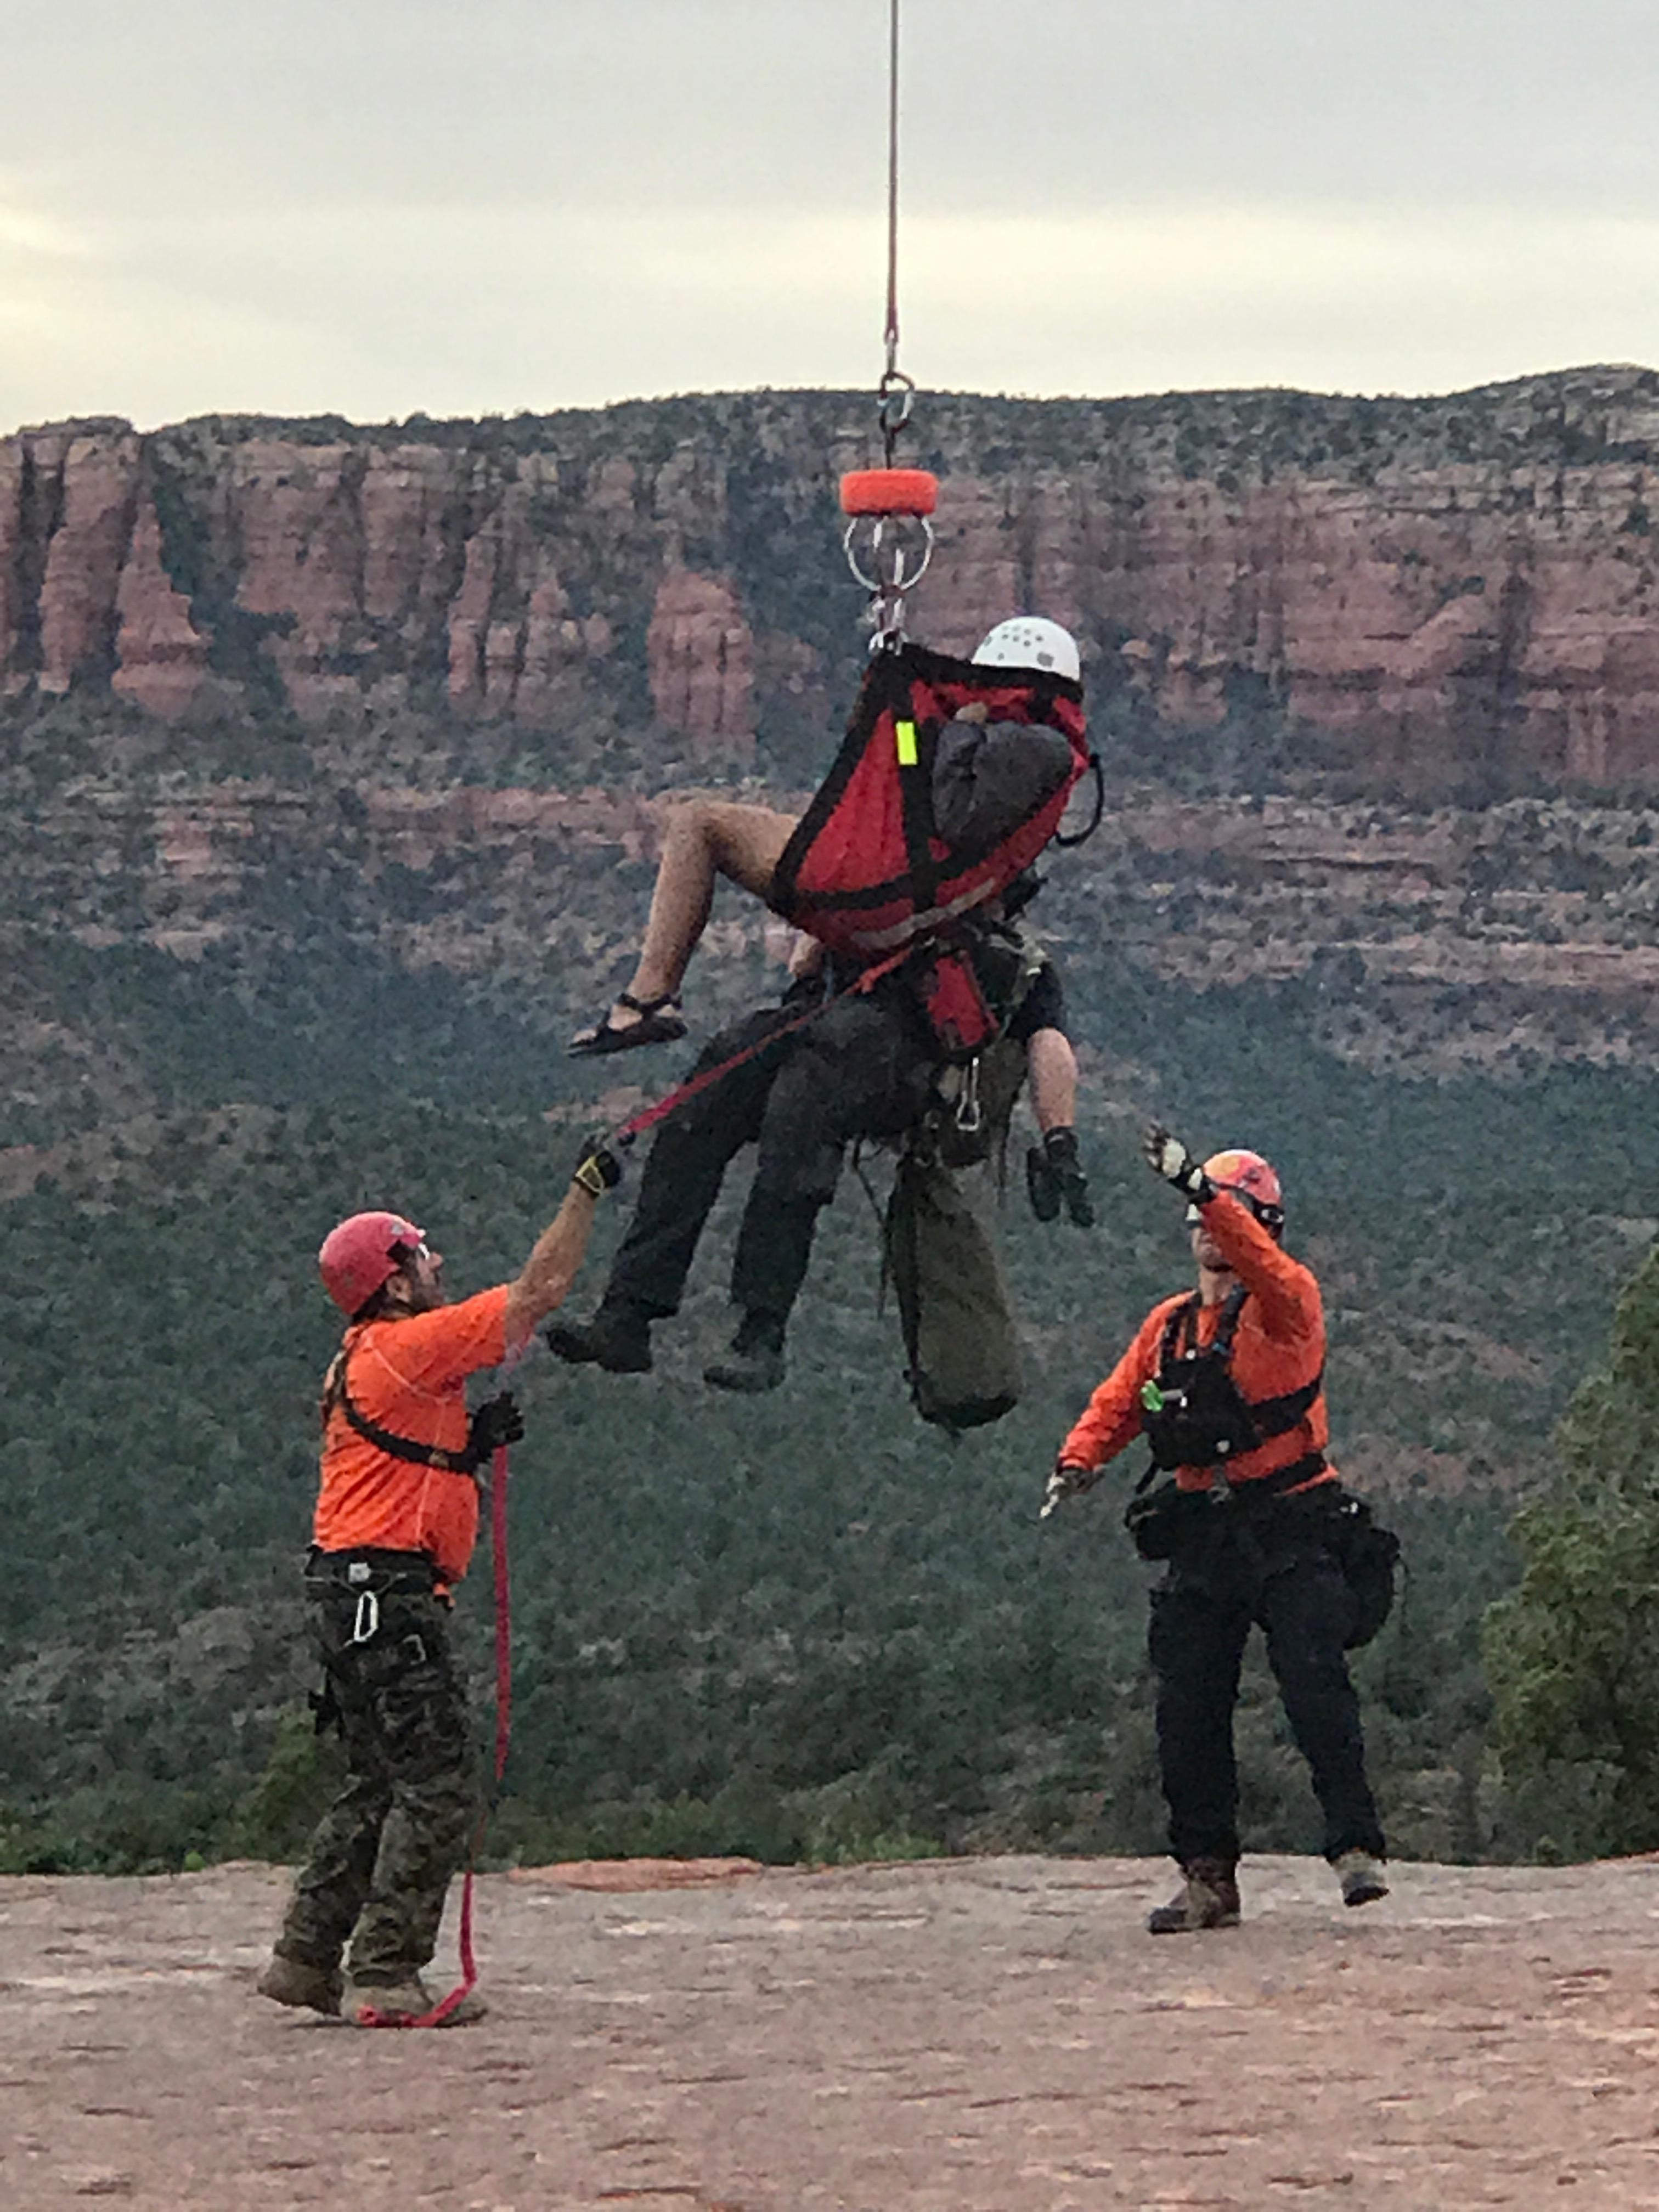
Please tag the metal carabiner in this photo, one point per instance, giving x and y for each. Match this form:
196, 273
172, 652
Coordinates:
970, 1118
896, 395
366, 1622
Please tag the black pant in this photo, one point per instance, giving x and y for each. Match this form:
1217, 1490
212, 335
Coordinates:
1201, 1617
862, 1068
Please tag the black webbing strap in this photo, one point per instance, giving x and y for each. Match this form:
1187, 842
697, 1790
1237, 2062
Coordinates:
1273, 1417
1293, 1477
335, 1392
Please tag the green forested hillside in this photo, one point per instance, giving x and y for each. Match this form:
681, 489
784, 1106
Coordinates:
803, 1623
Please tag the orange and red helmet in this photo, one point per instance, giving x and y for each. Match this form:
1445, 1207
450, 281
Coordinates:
1249, 1177
361, 1254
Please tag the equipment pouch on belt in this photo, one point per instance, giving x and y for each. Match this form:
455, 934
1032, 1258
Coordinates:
1368, 1554
1165, 1520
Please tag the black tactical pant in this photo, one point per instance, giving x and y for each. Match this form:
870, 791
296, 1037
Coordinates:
862, 1068
383, 1854
1202, 1615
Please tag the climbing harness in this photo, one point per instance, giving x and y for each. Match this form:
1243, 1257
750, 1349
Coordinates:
467, 1461
503, 1597
1194, 1414
888, 537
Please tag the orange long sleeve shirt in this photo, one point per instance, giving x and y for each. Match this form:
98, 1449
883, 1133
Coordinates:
1279, 1347
408, 1374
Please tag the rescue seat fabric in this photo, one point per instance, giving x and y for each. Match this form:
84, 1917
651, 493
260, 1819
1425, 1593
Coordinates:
408, 1374
866, 870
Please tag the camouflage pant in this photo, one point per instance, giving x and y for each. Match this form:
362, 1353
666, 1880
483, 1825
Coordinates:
384, 1852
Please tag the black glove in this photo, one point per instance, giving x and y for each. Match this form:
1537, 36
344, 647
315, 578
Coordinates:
1053, 1172
1167, 1157
597, 1171
495, 1423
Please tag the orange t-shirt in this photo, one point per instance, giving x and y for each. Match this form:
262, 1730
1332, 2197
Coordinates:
407, 1373
1279, 1347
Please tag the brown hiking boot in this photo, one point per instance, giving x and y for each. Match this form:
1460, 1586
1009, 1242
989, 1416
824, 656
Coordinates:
394, 2002
1208, 1898
1362, 1877
291, 1982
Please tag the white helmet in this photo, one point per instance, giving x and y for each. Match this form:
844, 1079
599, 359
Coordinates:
1029, 642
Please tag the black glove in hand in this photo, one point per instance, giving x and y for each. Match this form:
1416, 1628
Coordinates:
1167, 1157
1054, 1173
496, 1423
597, 1171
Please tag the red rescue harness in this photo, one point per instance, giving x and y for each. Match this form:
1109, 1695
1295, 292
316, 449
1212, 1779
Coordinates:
866, 870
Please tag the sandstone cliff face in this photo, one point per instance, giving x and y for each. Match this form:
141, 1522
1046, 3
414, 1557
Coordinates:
1467, 582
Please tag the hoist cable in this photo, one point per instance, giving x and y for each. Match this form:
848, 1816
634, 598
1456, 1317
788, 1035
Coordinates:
891, 332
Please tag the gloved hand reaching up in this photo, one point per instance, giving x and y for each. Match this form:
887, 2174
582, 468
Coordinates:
1054, 1173
597, 1171
1167, 1157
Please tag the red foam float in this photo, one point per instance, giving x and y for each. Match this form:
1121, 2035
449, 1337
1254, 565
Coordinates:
889, 491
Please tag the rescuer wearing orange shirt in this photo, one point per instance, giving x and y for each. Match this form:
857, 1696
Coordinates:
396, 1521
1227, 1385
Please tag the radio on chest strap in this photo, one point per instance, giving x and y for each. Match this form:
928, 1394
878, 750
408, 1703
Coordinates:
1194, 1413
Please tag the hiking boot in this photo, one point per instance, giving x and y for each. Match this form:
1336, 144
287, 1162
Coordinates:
372, 2004
1208, 1898
1362, 1877
292, 1982
755, 1360
618, 1338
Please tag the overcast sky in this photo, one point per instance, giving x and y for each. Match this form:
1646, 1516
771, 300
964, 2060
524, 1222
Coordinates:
376, 207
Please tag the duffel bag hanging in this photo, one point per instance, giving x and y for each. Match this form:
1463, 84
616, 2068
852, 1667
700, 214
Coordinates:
960, 1348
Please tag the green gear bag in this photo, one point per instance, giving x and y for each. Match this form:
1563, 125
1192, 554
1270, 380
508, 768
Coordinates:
960, 1345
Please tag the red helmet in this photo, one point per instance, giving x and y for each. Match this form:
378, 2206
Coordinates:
1250, 1177
362, 1253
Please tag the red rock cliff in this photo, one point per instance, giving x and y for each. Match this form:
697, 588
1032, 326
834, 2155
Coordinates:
1465, 582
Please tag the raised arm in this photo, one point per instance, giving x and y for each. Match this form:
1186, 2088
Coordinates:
558, 1253
1288, 1301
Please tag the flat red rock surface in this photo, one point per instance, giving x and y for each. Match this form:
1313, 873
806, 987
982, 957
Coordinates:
971, 2035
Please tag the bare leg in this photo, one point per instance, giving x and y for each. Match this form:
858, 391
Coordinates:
706, 838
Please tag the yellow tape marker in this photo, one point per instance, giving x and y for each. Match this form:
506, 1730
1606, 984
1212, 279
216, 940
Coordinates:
904, 734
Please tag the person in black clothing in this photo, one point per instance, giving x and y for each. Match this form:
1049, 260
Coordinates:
866, 1066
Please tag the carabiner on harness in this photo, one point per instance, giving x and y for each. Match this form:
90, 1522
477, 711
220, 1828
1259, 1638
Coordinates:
970, 1116
366, 1622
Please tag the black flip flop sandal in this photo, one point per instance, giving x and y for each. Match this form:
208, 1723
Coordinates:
659, 1022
